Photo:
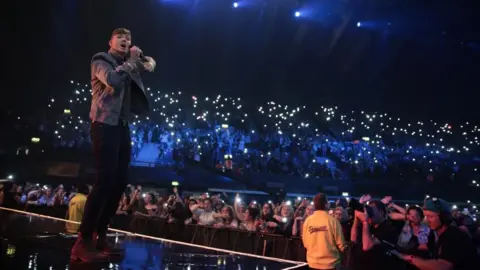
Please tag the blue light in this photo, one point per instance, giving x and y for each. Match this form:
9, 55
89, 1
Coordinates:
297, 14
235, 4
359, 24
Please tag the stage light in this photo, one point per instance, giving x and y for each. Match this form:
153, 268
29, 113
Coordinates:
359, 24
297, 14
235, 4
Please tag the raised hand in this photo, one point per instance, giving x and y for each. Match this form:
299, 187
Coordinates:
135, 53
365, 198
150, 64
387, 200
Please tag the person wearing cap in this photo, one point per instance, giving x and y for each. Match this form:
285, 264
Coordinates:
117, 94
454, 249
323, 237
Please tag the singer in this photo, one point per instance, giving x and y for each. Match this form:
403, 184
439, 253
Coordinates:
117, 93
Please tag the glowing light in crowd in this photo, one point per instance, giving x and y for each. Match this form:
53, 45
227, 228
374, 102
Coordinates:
297, 14
359, 24
235, 4
199, 120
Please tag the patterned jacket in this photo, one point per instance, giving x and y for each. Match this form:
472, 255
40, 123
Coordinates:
109, 82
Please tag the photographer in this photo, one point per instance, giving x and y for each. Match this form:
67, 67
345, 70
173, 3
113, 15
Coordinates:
377, 233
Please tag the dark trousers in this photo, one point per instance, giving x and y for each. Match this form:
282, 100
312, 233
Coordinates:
111, 151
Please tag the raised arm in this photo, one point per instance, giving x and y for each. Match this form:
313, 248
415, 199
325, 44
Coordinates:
296, 228
368, 241
240, 215
398, 208
354, 231
396, 216
178, 198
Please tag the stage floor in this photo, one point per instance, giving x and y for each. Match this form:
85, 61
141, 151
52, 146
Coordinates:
32, 242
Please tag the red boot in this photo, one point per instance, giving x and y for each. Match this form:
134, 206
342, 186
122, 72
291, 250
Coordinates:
84, 250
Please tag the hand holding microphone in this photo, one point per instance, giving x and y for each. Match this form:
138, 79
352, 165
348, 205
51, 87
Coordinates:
148, 62
135, 53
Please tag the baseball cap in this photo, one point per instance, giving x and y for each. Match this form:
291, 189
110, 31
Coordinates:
436, 205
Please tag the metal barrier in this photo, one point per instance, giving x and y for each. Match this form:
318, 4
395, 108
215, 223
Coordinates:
256, 243
51, 220
271, 245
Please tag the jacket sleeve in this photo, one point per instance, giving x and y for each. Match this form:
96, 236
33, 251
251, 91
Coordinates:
114, 78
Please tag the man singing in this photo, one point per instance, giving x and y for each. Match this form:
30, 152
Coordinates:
117, 93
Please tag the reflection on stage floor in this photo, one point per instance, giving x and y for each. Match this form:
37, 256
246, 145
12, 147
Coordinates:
35, 243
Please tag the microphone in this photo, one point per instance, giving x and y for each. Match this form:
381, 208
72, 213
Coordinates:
141, 56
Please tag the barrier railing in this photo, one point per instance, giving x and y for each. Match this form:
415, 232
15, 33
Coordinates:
262, 244
254, 244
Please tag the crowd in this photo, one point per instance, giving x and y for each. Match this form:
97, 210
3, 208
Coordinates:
277, 139
281, 139
421, 235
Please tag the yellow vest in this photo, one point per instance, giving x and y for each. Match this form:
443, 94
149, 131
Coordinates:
75, 212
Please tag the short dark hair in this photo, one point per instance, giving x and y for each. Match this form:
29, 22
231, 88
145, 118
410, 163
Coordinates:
83, 189
121, 31
320, 201
418, 209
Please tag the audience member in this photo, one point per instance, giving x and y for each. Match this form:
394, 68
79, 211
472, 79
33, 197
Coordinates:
323, 237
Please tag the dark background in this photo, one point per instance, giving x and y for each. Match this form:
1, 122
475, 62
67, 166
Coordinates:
416, 58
